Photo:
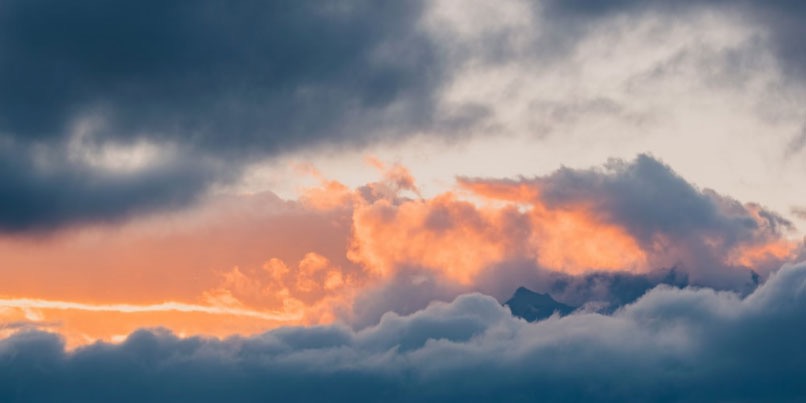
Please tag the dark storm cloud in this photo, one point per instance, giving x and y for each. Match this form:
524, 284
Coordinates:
42, 196
242, 75
223, 80
671, 345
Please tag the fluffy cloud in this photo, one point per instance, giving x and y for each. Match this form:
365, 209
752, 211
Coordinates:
671, 345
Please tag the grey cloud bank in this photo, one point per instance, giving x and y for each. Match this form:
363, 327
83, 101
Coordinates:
237, 82
215, 80
36, 198
671, 345
211, 74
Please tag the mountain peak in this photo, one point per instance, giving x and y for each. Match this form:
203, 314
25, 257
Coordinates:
533, 306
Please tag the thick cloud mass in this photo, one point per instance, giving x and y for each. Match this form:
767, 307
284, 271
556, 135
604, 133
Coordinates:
671, 345
221, 80
236, 82
36, 197
214, 74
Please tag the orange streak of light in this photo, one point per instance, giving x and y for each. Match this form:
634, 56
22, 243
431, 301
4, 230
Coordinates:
170, 306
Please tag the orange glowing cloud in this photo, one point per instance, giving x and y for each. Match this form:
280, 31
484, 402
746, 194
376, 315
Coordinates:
570, 239
314, 287
574, 242
768, 251
756, 255
244, 264
97, 282
443, 233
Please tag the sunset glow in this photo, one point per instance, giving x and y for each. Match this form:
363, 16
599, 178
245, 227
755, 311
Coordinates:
377, 230
406, 201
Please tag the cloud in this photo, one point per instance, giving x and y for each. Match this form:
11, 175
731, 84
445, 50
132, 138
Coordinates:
672, 344
660, 211
47, 191
193, 257
224, 76
223, 82
223, 86
576, 82
597, 238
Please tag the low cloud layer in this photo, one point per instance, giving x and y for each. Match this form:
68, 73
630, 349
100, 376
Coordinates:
671, 345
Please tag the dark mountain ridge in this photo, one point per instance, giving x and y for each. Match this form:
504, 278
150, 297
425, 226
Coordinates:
533, 306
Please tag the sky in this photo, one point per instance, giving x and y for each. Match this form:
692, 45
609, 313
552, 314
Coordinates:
245, 201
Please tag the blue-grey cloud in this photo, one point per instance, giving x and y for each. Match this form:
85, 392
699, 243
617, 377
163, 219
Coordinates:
39, 196
240, 81
411, 290
648, 198
671, 345
221, 80
262, 75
